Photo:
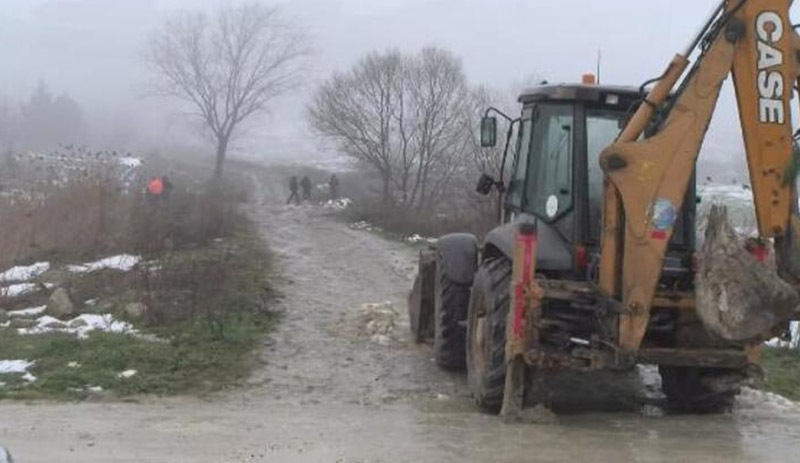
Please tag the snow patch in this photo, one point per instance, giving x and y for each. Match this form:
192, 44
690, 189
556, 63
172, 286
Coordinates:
735, 192
338, 204
24, 313
794, 338
416, 238
364, 226
756, 399
15, 366
81, 325
19, 289
122, 262
128, 161
24, 273
127, 374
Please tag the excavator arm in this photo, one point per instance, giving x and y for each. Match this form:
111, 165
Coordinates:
647, 177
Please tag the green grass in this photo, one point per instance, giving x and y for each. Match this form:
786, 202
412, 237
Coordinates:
782, 372
205, 349
196, 360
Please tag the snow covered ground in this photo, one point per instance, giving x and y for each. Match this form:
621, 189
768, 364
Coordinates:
416, 238
122, 262
81, 325
19, 279
23, 313
15, 366
24, 273
19, 289
338, 204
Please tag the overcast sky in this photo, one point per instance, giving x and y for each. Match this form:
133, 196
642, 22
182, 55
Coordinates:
91, 49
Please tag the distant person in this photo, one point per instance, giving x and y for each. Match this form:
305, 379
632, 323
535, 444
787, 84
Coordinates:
333, 183
155, 188
167, 187
293, 190
305, 183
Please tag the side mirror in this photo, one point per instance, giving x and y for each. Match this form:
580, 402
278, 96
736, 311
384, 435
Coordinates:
485, 184
488, 132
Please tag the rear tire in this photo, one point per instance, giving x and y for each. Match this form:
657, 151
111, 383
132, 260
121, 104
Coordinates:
699, 390
450, 313
486, 333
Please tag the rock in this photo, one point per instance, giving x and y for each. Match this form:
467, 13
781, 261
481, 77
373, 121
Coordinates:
539, 415
135, 310
3, 316
60, 304
18, 323
55, 325
77, 323
738, 297
381, 339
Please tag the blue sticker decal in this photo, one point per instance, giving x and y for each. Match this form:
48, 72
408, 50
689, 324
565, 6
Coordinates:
664, 214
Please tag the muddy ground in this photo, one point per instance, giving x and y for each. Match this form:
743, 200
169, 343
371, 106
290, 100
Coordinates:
340, 382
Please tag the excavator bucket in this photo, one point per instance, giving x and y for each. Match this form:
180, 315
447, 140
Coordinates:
739, 295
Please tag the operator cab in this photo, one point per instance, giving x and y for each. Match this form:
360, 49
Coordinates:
555, 175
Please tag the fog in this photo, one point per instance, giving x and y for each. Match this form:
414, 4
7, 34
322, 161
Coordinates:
92, 51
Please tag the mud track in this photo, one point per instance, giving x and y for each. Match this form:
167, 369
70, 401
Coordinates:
331, 391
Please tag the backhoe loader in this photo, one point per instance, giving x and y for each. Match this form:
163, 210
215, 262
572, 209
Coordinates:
594, 263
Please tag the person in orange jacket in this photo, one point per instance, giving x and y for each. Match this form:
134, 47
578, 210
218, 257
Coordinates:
155, 187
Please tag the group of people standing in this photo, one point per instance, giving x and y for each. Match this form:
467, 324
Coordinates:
305, 185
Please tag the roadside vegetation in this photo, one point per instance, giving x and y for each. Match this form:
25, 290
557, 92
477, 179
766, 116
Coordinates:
136, 295
781, 371
410, 124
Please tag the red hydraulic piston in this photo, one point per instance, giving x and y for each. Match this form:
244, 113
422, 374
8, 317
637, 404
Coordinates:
524, 269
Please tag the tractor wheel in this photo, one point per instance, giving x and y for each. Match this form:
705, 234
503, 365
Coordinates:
450, 311
486, 333
421, 298
699, 390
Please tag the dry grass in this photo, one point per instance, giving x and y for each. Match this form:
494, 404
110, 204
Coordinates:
204, 281
409, 221
71, 221
88, 218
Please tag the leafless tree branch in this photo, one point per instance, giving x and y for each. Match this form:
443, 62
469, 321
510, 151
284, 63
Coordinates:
227, 67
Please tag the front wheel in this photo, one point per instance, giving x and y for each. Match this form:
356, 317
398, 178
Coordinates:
450, 307
486, 333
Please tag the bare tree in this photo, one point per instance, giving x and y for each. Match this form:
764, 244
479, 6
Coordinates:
402, 115
482, 160
358, 111
228, 67
489, 160
440, 94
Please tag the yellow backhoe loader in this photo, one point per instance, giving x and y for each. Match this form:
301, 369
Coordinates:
595, 263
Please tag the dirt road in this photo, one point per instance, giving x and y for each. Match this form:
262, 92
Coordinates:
328, 391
